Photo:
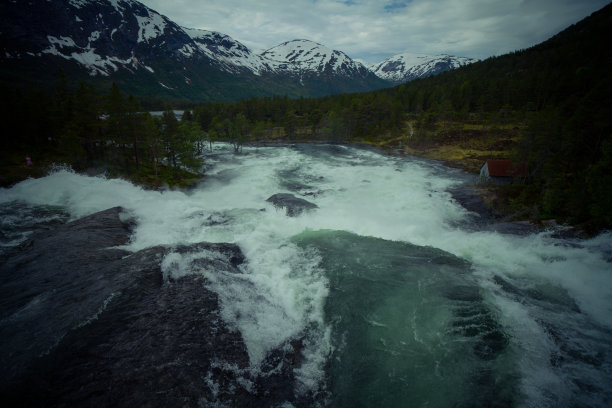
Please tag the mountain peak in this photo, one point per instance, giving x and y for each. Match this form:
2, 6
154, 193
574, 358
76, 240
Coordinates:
407, 66
299, 50
307, 55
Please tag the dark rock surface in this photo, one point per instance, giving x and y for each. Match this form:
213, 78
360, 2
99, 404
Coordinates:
83, 324
470, 199
483, 217
514, 228
292, 204
18, 221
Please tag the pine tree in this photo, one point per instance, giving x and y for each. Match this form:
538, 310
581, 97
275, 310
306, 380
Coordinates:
189, 135
170, 136
82, 134
136, 127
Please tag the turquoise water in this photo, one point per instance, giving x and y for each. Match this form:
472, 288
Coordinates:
410, 327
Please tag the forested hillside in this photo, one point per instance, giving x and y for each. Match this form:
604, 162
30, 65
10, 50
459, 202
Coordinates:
562, 91
550, 105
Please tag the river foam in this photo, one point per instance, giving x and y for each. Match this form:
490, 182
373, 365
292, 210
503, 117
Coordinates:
529, 280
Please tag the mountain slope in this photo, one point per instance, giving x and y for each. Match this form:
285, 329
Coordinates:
102, 36
101, 41
405, 67
229, 54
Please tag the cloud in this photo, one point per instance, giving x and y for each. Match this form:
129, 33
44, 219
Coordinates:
395, 6
375, 29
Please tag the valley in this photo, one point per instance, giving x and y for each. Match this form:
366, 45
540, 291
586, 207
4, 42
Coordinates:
188, 221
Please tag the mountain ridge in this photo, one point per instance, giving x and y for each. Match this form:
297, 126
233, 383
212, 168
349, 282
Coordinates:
404, 67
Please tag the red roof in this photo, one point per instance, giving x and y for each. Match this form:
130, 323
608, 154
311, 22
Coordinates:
506, 168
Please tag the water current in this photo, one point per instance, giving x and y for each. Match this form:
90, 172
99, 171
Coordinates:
400, 296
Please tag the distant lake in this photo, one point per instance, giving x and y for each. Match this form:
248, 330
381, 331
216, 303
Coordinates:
177, 113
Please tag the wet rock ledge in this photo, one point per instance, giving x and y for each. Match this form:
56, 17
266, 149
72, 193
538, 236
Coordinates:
484, 218
84, 324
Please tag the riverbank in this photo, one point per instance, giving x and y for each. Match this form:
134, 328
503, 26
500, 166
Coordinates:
467, 146
13, 169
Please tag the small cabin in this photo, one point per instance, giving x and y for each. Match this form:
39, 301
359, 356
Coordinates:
503, 172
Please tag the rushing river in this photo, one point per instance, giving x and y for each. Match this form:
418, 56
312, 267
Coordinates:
400, 297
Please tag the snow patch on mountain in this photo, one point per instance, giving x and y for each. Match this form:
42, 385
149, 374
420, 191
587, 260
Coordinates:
119, 5
187, 50
151, 26
79, 3
62, 41
96, 64
94, 36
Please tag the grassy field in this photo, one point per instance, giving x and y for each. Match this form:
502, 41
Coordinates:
462, 145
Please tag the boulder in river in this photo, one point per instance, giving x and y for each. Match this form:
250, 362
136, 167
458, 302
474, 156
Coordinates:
292, 204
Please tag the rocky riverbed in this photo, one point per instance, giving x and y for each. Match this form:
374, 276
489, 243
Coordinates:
85, 323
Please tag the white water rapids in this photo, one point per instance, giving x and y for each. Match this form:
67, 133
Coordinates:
552, 297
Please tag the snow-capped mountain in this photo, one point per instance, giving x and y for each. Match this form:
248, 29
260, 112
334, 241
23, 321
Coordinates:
405, 67
309, 56
146, 53
296, 57
319, 67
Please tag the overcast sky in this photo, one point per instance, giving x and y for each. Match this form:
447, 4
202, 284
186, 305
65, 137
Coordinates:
375, 29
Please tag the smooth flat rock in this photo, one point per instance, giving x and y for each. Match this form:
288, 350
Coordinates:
86, 324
